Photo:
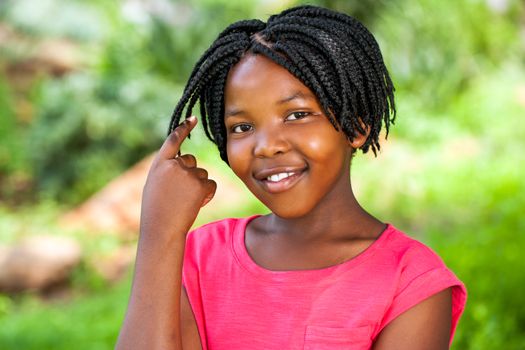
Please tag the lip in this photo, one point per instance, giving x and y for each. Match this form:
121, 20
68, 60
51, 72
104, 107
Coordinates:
284, 184
261, 175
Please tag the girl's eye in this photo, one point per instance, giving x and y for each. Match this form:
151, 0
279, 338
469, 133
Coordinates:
240, 128
297, 115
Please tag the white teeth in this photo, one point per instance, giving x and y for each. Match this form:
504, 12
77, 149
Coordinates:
278, 177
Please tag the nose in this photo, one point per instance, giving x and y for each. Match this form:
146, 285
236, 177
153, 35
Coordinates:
270, 142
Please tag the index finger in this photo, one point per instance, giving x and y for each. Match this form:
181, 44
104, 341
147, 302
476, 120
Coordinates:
171, 147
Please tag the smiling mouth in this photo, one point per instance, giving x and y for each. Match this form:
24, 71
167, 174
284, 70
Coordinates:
280, 176
283, 181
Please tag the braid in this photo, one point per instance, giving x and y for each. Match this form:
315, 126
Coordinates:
202, 75
216, 107
335, 70
204, 111
232, 41
362, 49
311, 76
333, 54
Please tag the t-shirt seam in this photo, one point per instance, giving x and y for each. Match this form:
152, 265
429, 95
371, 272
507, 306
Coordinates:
419, 276
268, 279
235, 253
396, 240
451, 282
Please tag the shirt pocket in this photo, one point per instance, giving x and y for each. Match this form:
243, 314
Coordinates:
331, 338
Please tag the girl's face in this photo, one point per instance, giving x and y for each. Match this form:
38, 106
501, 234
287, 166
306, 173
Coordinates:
279, 142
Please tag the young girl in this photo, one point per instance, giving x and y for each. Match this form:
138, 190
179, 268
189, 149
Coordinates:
287, 103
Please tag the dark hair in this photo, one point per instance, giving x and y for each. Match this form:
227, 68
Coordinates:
333, 54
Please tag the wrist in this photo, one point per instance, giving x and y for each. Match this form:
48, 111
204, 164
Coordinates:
160, 248
162, 235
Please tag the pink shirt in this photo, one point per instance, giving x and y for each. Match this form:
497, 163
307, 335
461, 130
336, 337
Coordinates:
240, 305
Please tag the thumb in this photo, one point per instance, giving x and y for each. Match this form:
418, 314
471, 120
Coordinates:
171, 146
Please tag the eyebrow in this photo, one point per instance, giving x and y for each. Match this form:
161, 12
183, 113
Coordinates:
296, 95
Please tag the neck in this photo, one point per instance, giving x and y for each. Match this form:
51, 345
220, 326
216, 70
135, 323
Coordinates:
339, 216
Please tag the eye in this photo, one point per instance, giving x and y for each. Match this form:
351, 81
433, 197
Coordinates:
297, 115
240, 128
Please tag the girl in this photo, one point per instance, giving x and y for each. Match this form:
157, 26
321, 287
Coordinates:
287, 103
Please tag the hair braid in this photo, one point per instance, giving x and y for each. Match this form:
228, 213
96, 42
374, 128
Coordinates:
217, 108
368, 86
306, 58
331, 53
348, 107
203, 75
234, 32
361, 36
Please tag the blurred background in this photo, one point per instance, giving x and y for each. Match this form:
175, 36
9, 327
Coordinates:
86, 92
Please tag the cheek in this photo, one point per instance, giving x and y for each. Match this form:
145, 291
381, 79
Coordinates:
325, 143
238, 157
316, 146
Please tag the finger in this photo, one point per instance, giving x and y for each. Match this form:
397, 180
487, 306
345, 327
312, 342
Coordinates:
201, 173
212, 188
171, 147
188, 160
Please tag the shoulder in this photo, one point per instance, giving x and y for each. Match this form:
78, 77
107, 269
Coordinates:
420, 269
216, 232
420, 274
214, 227
410, 254
208, 243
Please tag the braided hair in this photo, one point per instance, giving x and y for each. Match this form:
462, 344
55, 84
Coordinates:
331, 53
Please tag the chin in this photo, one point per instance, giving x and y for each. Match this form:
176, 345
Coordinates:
292, 211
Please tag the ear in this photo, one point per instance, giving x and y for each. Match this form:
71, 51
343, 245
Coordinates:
360, 139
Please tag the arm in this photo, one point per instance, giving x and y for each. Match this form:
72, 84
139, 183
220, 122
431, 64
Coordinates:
190, 333
425, 326
152, 320
173, 195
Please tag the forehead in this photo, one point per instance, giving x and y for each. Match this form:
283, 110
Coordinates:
258, 77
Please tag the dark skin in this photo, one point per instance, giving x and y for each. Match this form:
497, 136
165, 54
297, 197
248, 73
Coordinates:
174, 185
318, 219
274, 124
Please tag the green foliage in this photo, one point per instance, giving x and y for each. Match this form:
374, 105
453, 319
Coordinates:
93, 124
488, 259
89, 323
367, 11
175, 47
88, 131
449, 173
435, 49
453, 181
77, 20
8, 131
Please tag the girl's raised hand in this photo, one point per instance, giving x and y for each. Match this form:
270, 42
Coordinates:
175, 189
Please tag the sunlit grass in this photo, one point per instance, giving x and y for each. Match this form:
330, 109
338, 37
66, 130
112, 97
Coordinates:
449, 174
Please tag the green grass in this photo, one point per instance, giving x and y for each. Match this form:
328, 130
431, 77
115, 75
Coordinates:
449, 175
89, 322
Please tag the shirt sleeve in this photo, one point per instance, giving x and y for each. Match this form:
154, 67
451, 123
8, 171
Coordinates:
423, 286
189, 266
191, 282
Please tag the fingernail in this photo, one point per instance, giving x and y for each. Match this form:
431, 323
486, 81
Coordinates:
192, 118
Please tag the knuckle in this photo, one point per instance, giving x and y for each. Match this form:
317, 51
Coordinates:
212, 185
174, 134
173, 137
175, 162
182, 128
183, 124
189, 160
203, 173
176, 165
